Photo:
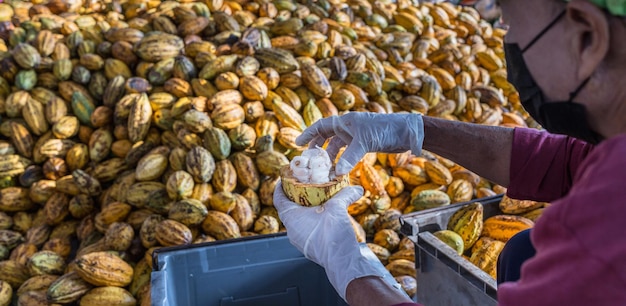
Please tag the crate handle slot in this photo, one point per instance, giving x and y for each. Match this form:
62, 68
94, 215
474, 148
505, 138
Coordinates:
409, 229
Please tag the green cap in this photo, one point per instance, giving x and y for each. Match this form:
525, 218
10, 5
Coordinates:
615, 7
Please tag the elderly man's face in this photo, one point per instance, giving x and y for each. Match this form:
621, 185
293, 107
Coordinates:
549, 59
584, 47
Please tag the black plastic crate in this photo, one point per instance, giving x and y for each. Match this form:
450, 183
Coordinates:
444, 277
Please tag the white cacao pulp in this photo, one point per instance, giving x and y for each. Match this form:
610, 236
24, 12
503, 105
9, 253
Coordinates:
312, 166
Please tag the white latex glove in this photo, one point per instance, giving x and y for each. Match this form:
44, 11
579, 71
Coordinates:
324, 235
365, 132
488, 9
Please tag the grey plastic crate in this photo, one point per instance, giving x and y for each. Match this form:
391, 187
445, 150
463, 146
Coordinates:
443, 277
253, 271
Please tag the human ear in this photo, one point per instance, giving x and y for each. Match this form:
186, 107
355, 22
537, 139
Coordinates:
589, 28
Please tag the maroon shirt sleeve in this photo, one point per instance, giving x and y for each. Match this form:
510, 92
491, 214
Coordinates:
543, 165
580, 255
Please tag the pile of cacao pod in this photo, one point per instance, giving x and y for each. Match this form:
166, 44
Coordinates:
480, 238
135, 124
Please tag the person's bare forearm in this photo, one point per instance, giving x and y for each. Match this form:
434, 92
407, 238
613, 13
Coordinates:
484, 150
374, 291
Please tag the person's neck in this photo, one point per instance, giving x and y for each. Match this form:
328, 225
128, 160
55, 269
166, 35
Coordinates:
612, 120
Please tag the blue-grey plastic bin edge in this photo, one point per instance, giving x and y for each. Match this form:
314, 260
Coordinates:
258, 270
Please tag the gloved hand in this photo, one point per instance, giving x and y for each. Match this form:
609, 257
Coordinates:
488, 9
365, 132
324, 235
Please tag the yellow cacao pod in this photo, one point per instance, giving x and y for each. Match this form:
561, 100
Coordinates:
220, 225
503, 227
512, 206
109, 295
170, 233
452, 239
468, 223
486, 257
104, 269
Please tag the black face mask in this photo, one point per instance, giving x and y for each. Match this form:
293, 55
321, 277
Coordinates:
559, 117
